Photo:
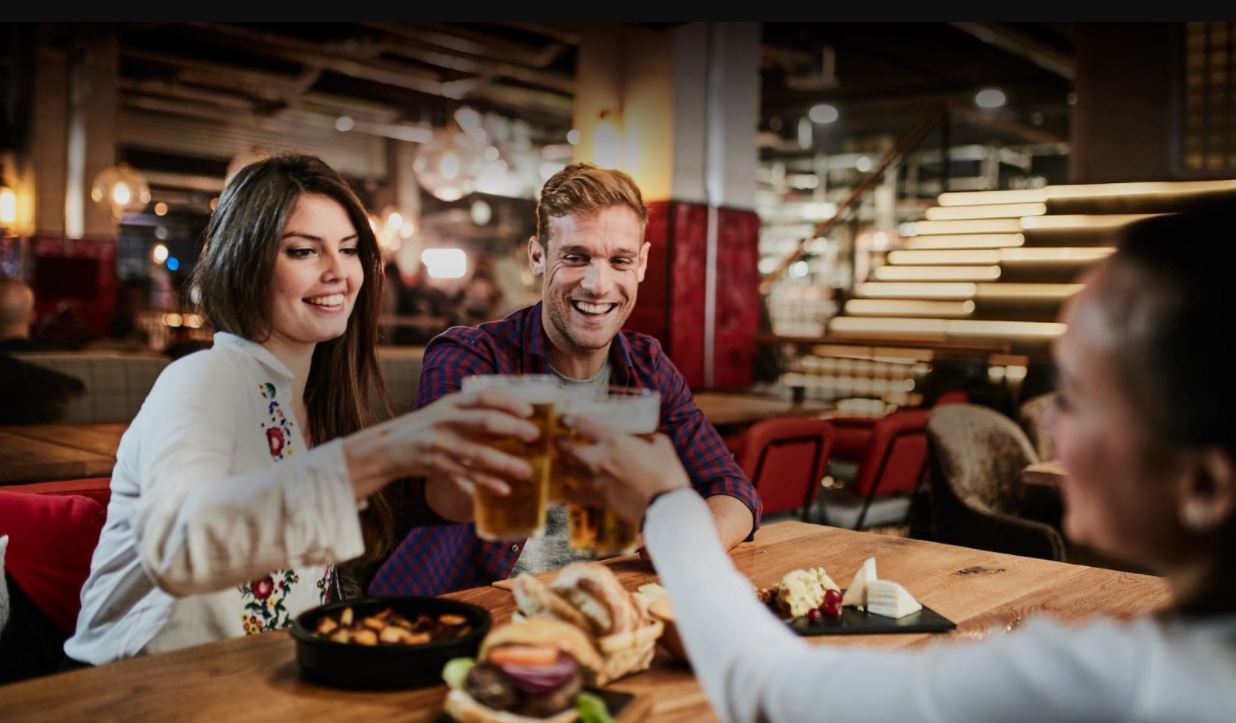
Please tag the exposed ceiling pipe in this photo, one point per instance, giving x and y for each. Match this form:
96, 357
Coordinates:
1007, 125
282, 121
378, 71
1022, 45
256, 83
465, 40
175, 90
821, 73
480, 66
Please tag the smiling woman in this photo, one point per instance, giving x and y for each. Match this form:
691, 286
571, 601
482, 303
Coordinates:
318, 275
254, 467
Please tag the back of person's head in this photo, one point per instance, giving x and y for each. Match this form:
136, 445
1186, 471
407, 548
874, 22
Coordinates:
1167, 296
583, 188
16, 308
234, 273
1170, 299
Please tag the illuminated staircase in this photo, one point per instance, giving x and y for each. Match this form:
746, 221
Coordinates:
983, 276
994, 267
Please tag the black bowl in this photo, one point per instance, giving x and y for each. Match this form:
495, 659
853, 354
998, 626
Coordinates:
385, 667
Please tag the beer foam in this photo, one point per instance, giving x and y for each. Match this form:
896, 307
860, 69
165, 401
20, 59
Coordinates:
535, 393
533, 389
630, 415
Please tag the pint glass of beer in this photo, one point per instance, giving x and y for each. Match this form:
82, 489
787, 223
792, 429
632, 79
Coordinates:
633, 410
522, 513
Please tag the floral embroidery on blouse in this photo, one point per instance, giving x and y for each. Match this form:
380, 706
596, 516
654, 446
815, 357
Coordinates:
264, 608
264, 598
278, 428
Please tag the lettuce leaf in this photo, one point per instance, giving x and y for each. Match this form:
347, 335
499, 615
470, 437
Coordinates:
592, 709
456, 671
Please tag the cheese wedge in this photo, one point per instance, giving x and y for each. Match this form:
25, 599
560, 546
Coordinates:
823, 581
801, 590
890, 599
856, 593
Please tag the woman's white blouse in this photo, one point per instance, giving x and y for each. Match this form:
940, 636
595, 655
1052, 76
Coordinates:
753, 668
221, 522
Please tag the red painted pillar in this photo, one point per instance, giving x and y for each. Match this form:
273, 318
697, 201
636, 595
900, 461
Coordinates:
673, 298
680, 109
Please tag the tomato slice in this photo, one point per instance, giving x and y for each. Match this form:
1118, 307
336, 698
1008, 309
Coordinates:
522, 655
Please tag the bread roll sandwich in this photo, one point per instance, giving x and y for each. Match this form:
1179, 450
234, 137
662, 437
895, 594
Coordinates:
533, 670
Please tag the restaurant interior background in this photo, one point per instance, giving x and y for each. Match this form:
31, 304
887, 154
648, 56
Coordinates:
797, 164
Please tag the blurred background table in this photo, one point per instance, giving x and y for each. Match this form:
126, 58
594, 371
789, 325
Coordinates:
1044, 474
41, 452
728, 409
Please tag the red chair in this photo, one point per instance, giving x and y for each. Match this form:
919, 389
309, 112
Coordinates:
53, 528
854, 435
785, 460
896, 460
956, 396
96, 488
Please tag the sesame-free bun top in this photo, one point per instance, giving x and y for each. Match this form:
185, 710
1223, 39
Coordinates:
547, 632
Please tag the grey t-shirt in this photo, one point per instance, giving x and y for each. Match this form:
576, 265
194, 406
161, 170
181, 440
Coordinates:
549, 550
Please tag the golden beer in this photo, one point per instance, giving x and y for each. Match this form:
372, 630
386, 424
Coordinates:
633, 410
520, 514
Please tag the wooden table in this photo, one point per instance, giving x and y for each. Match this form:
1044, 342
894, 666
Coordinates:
729, 409
41, 452
1044, 474
255, 678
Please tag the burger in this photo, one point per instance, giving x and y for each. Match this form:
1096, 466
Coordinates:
533, 670
589, 596
584, 594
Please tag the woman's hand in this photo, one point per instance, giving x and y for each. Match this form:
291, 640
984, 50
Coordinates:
620, 471
440, 440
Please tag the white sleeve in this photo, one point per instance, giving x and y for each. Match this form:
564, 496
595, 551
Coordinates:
753, 668
201, 529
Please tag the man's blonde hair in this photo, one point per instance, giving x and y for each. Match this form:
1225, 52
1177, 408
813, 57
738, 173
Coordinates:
582, 188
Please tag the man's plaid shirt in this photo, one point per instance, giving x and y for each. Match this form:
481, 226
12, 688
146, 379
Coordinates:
447, 556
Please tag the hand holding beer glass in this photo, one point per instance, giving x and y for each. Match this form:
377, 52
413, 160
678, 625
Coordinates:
521, 513
624, 472
594, 528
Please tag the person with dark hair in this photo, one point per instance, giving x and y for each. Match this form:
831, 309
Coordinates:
32, 394
253, 467
1143, 427
16, 315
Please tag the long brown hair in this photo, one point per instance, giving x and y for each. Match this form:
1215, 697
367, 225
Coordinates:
1173, 318
234, 276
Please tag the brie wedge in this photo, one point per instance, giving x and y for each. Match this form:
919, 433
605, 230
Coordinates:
890, 599
856, 593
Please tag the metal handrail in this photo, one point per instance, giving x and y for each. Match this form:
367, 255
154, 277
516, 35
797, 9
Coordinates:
924, 125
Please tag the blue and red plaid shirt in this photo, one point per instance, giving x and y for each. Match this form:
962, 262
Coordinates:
449, 556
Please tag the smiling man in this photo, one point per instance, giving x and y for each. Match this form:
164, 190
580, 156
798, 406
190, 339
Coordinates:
590, 254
